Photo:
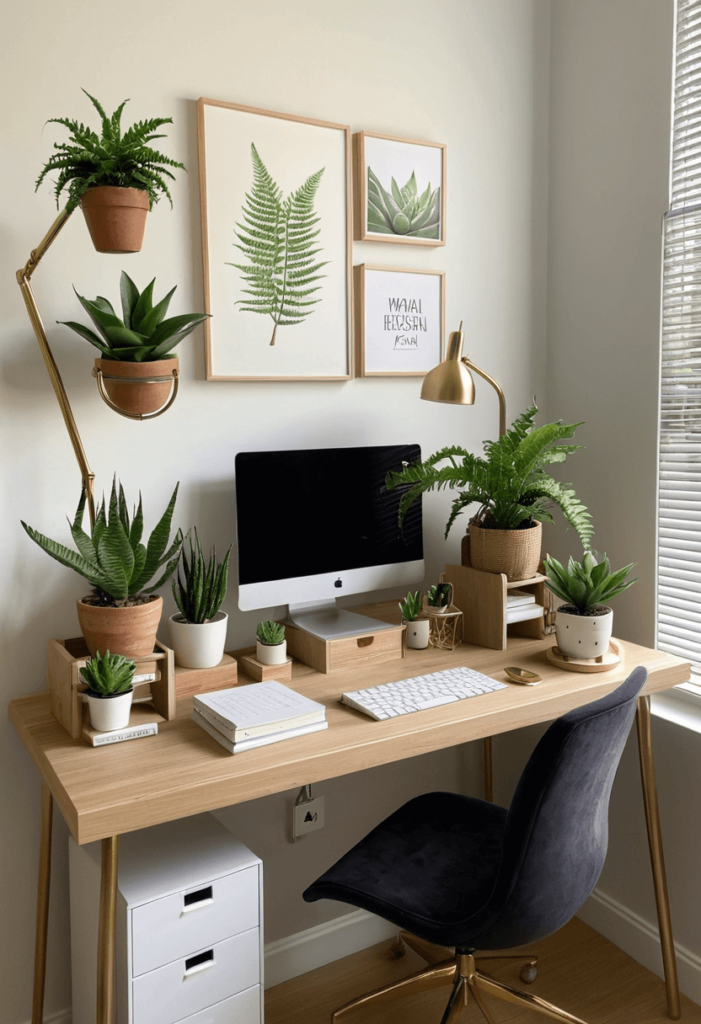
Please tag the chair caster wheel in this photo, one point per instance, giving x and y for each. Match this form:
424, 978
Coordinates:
528, 974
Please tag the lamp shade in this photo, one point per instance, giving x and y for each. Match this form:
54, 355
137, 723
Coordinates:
450, 381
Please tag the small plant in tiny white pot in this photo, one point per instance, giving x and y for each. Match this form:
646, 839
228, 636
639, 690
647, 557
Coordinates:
198, 631
438, 597
585, 622
110, 680
271, 646
417, 625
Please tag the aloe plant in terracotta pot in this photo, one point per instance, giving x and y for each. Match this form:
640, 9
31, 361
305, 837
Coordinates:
137, 367
123, 613
116, 177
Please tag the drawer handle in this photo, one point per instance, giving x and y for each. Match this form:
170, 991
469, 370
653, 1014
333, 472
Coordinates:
200, 962
365, 641
197, 899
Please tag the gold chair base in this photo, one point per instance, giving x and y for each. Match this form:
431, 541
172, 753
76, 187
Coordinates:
460, 971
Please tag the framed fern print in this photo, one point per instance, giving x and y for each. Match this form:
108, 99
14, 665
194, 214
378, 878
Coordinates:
399, 190
276, 233
399, 320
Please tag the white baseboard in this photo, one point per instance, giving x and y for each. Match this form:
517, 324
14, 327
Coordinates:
640, 940
287, 958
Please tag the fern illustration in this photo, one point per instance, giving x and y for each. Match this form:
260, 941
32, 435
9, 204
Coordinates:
278, 238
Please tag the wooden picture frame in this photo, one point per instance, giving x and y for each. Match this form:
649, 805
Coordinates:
399, 320
278, 326
397, 199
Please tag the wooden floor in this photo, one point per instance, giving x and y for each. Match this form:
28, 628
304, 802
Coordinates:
579, 971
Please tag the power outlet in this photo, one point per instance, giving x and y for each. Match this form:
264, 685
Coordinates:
307, 816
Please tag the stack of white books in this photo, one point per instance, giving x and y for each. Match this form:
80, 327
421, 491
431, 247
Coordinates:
244, 717
521, 606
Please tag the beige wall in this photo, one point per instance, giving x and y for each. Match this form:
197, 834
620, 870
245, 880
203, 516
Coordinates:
471, 73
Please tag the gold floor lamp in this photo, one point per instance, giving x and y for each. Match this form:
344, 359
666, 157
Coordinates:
451, 382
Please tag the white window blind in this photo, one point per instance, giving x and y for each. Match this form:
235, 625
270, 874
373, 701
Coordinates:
679, 522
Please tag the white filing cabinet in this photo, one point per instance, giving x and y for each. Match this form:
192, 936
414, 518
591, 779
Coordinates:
189, 926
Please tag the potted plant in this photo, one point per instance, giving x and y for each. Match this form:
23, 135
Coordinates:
198, 631
110, 679
116, 177
512, 488
271, 646
137, 346
417, 624
123, 613
585, 622
438, 597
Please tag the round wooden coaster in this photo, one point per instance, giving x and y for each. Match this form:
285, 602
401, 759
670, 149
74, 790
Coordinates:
607, 661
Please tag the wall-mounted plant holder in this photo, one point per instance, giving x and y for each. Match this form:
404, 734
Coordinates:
139, 391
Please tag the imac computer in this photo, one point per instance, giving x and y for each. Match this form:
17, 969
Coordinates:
320, 523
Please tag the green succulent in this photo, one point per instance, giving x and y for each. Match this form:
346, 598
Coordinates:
270, 632
200, 594
112, 558
510, 483
403, 211
88, 160
109, 673
143, 335
586, 584
411, 606
438, 594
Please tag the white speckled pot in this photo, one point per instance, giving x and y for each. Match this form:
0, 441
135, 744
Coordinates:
583, 636
417, 634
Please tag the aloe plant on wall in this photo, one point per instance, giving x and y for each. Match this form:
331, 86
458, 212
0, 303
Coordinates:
279, 238
402, 211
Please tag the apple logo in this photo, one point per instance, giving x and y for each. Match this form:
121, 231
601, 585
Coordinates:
338, 582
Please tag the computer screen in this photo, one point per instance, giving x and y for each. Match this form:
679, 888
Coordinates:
315, 524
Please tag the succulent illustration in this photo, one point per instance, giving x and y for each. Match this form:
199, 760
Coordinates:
278, 238
402, 211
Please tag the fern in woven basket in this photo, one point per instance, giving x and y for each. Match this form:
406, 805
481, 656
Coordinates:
89, 160
278, 237
509, 483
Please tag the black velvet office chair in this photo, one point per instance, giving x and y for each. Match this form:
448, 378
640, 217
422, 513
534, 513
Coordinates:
454, 871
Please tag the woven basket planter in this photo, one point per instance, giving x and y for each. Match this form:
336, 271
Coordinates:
516, 553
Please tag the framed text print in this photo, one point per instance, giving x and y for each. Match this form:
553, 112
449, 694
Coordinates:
276, 235
400, 320
400, 190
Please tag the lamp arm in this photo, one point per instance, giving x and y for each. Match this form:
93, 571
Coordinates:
497, 387
23, 280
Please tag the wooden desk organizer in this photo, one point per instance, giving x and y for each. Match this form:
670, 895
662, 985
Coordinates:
346, 652
481, 596
67, 657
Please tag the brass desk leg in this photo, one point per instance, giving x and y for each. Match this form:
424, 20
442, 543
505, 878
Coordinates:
488, 776
654, 835
43, 889
105, 938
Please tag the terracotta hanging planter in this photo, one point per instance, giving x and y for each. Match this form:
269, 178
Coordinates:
130, 631
116, 217
138, 389
516, 553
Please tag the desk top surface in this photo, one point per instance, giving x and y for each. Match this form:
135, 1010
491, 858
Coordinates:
104, 791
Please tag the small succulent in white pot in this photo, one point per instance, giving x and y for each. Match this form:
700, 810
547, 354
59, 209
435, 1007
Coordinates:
417, 625
110, 679
438, 597
198, 630
271, 646
585, 622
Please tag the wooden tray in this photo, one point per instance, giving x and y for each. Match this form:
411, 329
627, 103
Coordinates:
606, 661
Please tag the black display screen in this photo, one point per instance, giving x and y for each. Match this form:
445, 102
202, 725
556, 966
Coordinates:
302, 513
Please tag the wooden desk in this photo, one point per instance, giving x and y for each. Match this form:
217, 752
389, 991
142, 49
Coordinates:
104, 792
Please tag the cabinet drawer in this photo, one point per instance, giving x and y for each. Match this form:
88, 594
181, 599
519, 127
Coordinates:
241, 1009
193, 984
170, 928
385, 645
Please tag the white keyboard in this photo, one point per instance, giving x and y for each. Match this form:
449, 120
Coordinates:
421, 692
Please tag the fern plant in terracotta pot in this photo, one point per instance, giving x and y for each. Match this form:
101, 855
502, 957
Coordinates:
116, 176
137, 368
123, 613
512, 488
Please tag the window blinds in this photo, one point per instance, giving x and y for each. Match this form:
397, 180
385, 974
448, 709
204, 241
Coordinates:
679, 522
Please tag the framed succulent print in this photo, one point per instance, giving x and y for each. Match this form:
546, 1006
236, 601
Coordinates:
276, 240
399, 190
399, 320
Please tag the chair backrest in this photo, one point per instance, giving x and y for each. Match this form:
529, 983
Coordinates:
556, 830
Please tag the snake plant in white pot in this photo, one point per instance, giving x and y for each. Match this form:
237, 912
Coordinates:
585, 622
417, 624
198, 631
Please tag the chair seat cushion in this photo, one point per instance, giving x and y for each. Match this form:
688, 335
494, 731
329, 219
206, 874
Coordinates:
428, 868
